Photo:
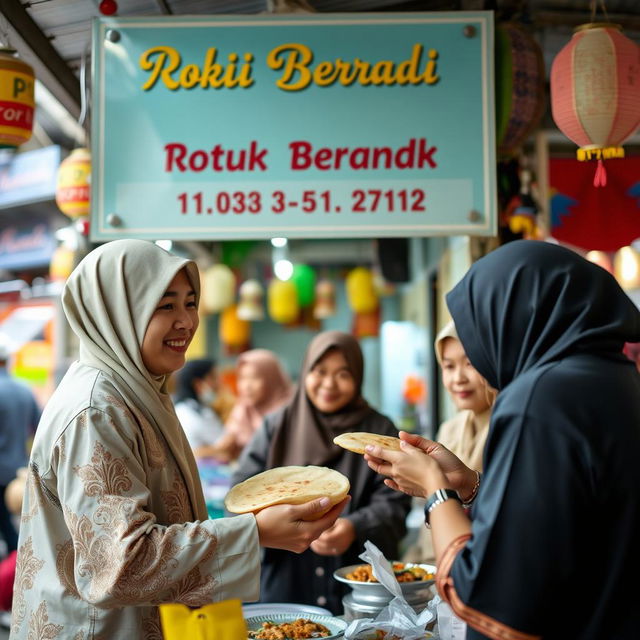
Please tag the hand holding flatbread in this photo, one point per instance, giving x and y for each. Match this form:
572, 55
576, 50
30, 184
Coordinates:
358, 440
287, 485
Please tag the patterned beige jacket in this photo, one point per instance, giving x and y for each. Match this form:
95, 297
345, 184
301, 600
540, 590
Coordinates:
106, 532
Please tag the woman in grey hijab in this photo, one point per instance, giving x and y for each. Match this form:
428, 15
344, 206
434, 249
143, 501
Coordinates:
114, 520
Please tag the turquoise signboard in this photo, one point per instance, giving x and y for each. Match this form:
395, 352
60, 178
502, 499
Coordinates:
305, 126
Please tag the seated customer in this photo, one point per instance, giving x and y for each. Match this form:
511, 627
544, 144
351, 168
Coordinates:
327, 403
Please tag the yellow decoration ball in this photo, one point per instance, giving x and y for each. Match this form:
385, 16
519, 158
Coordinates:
361, 290
283, 301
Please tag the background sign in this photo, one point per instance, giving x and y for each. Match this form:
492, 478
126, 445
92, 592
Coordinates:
367, 125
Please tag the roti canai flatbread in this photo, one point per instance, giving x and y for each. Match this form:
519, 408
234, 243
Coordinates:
358, 440
287, 485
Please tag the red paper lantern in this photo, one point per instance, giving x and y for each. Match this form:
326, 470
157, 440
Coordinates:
595, 92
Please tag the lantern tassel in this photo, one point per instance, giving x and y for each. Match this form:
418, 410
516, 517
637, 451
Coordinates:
600, 178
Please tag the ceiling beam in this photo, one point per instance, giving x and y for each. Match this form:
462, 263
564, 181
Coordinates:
34, 47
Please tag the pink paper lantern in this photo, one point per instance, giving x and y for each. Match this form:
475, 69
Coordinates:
595, 92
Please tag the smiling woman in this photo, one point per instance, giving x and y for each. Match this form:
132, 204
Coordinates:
171, 327
114, 520
328, 402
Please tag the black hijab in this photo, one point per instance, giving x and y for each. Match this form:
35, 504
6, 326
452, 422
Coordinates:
529, 303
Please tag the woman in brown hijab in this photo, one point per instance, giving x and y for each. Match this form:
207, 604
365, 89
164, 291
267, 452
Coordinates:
327, 402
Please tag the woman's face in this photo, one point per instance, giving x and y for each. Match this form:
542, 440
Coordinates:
171, 328
330, 384
465, 385
250, 384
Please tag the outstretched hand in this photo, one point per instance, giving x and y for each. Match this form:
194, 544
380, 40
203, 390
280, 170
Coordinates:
288, 526
420, 467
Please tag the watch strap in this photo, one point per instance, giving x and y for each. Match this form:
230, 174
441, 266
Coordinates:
436, 498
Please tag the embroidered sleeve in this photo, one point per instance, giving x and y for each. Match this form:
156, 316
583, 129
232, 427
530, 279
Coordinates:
121, 555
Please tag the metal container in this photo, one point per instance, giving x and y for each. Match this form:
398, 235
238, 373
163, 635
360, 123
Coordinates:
367, 599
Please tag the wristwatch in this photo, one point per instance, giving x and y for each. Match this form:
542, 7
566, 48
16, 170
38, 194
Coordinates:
438, 497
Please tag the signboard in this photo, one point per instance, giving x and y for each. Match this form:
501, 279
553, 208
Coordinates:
333, 125
29, 177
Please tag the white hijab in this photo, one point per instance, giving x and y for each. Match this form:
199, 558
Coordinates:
109, 299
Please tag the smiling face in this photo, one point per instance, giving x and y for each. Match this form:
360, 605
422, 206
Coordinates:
251, 384
171, 327
330, 384
465, 385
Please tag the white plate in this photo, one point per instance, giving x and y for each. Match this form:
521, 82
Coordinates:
269, 608
336, 626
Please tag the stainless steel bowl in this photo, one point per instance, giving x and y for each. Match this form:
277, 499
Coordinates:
373, 595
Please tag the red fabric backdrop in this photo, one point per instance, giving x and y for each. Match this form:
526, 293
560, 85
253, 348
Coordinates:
603, 218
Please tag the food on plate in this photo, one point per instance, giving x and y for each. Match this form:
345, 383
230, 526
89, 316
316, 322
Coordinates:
356, 441
287, 485
300, 628
403, 573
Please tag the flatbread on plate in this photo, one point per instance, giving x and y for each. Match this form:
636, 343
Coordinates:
358, 440
287, 485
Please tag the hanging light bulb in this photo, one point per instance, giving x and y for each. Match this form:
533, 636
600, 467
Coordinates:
601, 259
626, 266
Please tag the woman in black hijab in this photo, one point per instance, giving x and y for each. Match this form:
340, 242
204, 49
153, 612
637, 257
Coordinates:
328, 402
552, 547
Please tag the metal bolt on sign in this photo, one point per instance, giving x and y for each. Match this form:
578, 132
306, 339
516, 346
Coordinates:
114, 220
474, 216
112, 35
469, 31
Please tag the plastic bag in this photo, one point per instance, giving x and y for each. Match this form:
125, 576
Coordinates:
218, 621
398, 618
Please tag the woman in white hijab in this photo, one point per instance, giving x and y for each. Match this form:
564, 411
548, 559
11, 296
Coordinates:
466, 433
114, 520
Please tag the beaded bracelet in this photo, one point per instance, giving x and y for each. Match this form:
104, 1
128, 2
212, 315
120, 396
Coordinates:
474, 492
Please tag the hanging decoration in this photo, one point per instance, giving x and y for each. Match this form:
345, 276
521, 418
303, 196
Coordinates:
282, 301
366, 324
325, 305
595, 92
108, 7
251, 295
73, 187
361, 291
62, 263
520, 87
17, 101
218, 288
304, 279
522, 211
235, 333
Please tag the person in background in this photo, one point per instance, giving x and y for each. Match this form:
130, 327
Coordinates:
19, 416
262, 387
114, 520
559, 498
328, 402
466, 433
196, 389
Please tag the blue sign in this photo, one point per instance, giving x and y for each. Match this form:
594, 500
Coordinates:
343, 125
29, 177
26, 246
